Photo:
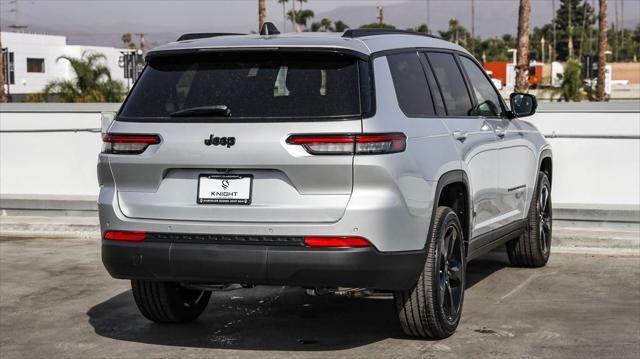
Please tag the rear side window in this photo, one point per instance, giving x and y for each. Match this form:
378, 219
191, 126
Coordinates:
452, 85
411, 85
252, 86
486, 96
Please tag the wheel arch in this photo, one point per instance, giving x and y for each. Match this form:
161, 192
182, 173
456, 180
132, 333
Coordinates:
545, 163
453, 190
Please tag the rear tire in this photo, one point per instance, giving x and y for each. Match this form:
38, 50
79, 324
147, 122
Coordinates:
433, 307
533, 247
167, 302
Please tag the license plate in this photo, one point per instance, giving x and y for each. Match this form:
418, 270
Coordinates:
224, 189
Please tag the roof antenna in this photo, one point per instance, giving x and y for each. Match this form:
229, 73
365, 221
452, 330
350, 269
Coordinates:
269, 29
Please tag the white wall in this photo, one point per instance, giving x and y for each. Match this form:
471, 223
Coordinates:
594, 170
586, 170
49, 163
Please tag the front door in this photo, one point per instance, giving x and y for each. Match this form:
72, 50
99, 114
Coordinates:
513, 152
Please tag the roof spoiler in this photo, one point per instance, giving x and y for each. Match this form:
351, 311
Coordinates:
355, 33
204, 35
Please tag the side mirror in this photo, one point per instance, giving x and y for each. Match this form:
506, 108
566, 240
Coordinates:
523, 104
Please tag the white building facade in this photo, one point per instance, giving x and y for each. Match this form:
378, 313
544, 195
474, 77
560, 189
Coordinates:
33, 61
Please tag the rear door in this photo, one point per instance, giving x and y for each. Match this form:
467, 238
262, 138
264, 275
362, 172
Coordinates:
475, 137
223, 120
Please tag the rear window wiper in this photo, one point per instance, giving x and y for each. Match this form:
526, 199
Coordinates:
217, 110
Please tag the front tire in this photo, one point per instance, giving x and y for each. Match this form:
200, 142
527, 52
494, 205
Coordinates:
167, 302
433, 307
533, 247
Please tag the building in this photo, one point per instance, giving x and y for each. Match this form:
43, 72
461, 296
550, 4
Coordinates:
31, 61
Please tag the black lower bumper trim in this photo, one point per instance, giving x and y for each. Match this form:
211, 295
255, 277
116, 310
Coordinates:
262, 264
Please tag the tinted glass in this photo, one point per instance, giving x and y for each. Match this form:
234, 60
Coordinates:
252, 86
486, 96
435, 93
411, 85
454, 90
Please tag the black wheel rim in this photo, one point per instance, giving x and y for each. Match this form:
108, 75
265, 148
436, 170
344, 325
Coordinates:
544, 218
451, 273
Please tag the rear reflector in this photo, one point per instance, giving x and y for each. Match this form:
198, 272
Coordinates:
336, 242
128, 144
368, 144
135, 236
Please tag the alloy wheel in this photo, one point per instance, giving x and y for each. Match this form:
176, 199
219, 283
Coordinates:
451, 280
544, 218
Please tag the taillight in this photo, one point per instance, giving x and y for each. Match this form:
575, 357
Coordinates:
128, 144
336, 242
133, 236
367, 144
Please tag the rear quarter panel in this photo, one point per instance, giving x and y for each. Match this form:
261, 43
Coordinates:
412, 174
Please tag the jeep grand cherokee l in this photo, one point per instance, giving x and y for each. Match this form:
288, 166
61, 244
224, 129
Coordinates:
371, 159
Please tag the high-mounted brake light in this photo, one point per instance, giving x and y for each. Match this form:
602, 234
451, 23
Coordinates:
367, 144
127, 143
134, 236
336, 242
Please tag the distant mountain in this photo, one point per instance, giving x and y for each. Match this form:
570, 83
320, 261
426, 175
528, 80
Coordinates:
104, 22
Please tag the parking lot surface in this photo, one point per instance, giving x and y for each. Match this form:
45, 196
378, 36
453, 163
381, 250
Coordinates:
56, 301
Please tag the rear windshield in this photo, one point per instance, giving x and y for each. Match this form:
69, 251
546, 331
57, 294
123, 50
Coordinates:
250, 86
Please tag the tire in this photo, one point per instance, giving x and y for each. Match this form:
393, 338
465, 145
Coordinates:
167, 302
425, 311
533, 247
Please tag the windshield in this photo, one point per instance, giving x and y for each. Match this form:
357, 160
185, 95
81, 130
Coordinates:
254, 86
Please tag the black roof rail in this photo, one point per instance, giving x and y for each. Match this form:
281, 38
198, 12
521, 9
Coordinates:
355, 33
203, 35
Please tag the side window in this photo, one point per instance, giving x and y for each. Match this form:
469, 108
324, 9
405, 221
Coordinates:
433, 85
411, 85
487, 97
454, 90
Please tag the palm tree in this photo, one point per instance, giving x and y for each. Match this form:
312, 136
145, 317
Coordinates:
455, 33
262, 13
92, 82
522, 61
323, 25
3, 98
340, 26
301, 17
602, 49
127, 39
284, 14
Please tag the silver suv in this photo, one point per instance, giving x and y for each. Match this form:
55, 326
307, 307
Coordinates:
371, 159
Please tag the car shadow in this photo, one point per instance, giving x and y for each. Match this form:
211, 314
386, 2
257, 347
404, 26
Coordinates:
484, 266
271, 318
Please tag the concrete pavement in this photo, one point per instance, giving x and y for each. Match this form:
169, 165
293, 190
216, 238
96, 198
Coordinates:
56, 300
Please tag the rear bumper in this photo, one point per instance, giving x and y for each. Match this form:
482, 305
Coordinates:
262, 264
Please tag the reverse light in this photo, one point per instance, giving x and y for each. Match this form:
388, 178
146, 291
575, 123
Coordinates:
128, 144
367, 144
133, 236
336, 242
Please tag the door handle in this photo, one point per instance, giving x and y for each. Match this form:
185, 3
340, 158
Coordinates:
460, 135
500, 132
